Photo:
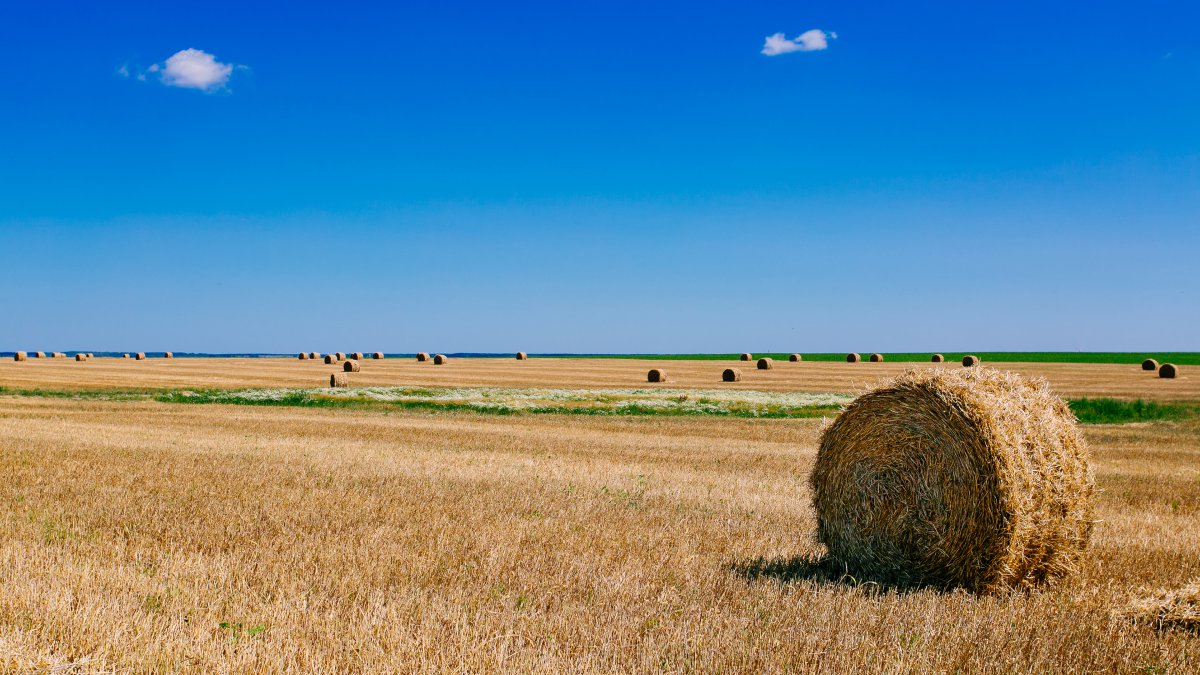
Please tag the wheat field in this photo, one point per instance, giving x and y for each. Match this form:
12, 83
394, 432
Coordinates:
146, 537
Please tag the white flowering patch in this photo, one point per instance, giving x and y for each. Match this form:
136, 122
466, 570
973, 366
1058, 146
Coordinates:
496, 399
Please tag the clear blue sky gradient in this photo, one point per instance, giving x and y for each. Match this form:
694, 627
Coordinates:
604, 177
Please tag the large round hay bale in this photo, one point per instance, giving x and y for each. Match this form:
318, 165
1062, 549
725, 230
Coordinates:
766, 363
339, 380
141, 356
340, 356
937, 358
853, 357
81, 357
303, 356
314, 355
731, 375
522, 356
330, 358
963, 478
20, 356
877, 358
795, 357
351, 366
377, 356
1168, 370
439, 359
357, 356
747, 357
1149, 364
422, 356
970, 360
656, 375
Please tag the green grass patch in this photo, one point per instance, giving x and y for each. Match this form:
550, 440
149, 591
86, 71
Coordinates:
1116, 411
1178, 358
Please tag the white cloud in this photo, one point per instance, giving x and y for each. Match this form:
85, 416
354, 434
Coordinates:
808, 41
193, 69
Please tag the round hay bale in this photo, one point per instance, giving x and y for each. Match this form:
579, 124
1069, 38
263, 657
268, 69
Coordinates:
303, 356
731, 375
20, 356
351, 366
955, 478
970, 360
39, 355
357, 356
1149, 364
877, 358
339, 380
314, 355
795, 357
91, 355
766, 363
656, 375
853, 357
141, 356
422, 356
377, 356
522, 356
340, 356
1168, 370
937, 358
330, 358
124, 356
168, 355
81, 357
439, 360
747, 357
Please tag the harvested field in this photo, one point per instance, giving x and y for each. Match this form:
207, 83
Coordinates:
1067, 379
148, 536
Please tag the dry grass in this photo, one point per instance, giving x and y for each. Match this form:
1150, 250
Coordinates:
1168, 609
151, 537
1067, 379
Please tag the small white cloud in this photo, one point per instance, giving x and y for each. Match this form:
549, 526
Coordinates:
808, 41
123, 71
193, 69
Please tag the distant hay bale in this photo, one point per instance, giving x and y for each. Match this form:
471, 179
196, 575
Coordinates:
91, 355
141, 356
853, 357
970, 360
731, 375
377, 355
339, 380
439, 360
81, 357
357, 356
937, 358
795, 357
962, 478
125, 356
747, 357
303, 356
766, 363
1168, 370
340, 356
330, 358
1167, 609
656, 375
20, 356
877, 358
168, 355
39, 355
422, 356
351, 366
314, 355
522, 356
1149, 364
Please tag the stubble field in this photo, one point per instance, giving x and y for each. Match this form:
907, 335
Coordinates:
146, 536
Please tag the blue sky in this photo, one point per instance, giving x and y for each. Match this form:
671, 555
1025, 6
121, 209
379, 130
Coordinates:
614, 177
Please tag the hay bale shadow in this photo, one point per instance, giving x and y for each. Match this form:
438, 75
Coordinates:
819, 569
